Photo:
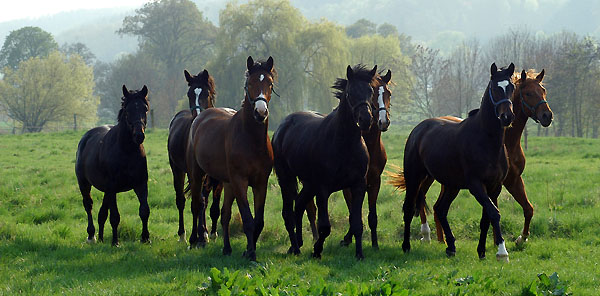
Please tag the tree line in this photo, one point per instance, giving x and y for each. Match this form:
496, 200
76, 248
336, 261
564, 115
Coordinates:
174, 35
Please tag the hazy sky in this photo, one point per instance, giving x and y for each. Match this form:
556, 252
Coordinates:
18, 9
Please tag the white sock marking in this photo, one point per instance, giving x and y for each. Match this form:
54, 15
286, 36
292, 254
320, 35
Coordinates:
502, 250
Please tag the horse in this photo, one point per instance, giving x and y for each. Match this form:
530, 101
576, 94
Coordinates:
113, 159
380, 101
529, 100
233, 147
201, 96
327, 154
461, 155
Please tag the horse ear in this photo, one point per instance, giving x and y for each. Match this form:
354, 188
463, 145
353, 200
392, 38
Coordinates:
493, 69
511, 69
204, 74
144, 91
387, 77
523, 76
540, 76
374, 71
187, 75
249, 63
125, 91
349, 73
270, 63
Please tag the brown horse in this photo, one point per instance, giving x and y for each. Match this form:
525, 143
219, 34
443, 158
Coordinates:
529, 100
380, 101
201, 96
234, 147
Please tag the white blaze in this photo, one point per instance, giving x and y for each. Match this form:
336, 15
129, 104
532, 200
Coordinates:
503, 84
198, 91
382, 113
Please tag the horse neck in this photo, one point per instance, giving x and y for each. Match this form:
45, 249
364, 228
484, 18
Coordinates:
125, 137
347, 128
487, 117
513, 134
372, 137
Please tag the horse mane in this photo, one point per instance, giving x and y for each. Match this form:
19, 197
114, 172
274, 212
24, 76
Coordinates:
531, 75
124, 102
473, 112
261, 65
212, 90
360, 73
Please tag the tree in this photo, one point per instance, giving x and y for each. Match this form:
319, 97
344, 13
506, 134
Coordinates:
49, 89
177, 35
25, 43
360, 28
81, 49
387, 29
426, 65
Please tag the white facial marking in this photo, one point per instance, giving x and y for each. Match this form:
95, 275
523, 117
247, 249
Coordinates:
382, 113
261, 107
198, 91
261, 77
502, 250
503, 84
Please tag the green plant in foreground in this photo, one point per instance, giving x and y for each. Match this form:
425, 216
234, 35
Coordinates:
546, 285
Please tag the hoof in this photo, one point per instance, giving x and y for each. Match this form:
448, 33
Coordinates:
294, 251
520, 240
481, 256
360, 257
450, 253
91, 240
182, 238
502, 257
316, 256
251, 255
406, 247
345, 243
227, 252
214, 235
206, 237
375, 246
116, 244
146, 241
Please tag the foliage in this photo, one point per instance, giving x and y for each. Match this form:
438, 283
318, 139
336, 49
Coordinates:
25, 43
31, 98
546, 286
361, 28
80, 49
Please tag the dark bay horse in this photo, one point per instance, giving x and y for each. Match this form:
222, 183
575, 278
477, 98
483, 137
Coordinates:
201, 96
112, 159
327, 154
380, 101
461, 155
529, 101
234, 147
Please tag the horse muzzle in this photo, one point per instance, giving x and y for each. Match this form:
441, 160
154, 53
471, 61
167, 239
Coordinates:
546, 118
383, 123
261, 111
506, 118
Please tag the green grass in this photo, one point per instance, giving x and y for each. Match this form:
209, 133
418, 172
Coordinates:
43, 249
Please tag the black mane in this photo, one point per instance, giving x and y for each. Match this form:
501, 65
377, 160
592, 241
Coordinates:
360, 73
261, 65
125, 101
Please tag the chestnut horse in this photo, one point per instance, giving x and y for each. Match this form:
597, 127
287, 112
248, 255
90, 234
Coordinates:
201, 96
529, 100
380, 101
234, 147
461, 155
327, 154
112, 159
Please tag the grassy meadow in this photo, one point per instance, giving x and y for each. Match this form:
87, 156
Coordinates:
43, 249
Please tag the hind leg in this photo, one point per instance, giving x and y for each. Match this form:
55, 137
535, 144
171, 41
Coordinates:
178, 184
214, 207
115, 218
347, 240
143, 211
103, 215
304, 199
88, 202
322, 223
441, 209
516, 188
288, 195
356, 224
412, 178
311, 214
423, 188
226, 217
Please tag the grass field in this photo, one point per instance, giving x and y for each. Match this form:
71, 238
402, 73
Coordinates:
43, 249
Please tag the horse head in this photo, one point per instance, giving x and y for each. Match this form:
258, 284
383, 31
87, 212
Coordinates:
260, 76
381, 100
134, 109
358, 93
533, 97
500, 90
201, 92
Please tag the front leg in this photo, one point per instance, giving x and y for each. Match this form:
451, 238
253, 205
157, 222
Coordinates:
144, 210
239, 185
476, 188
323, 223
356, 224
260, 195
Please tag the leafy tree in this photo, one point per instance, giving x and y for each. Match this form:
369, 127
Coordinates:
81, 49
26, 43
49, 89
360, 28
387, 29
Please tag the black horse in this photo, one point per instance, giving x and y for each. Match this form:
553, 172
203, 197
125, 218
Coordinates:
327, 154
201, 95
462, 155
112, 159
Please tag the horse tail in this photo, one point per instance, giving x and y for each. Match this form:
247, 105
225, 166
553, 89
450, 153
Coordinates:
397, 178
426, 207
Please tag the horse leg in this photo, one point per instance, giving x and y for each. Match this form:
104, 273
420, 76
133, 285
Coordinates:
356, 224
195, 179
311, 213
115, 218
347, 240
214, 207
304, 199
102, 215
425, 230
144, 211
226, 217
412, 182
323, 223
88, 202
516, 188
492, 212
439, 231
178, 184
373, 186
260, 195
240, 191
441, 208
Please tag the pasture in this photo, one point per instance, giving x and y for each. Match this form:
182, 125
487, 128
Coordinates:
43, 232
